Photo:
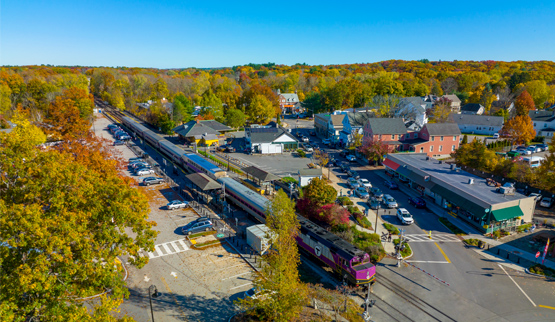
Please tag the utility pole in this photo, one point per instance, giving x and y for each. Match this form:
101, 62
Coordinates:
290, 190
151, 294
399, 248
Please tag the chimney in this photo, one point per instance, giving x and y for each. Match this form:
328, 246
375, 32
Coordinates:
471, 181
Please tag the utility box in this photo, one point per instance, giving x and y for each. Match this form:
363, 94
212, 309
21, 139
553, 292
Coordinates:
258, 238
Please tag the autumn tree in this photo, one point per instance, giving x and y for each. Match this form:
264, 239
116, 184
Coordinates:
63, 224
64, 120
546, 174
524, 103
282, 294
375, 150
212, 103
538, 90
441, 111
476, 155
333, 214
260, 110
235, 118
319, 192
519, 130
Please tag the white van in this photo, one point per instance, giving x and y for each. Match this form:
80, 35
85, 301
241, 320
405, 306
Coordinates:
496, 135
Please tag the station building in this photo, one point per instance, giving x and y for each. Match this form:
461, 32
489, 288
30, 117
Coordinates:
460, 193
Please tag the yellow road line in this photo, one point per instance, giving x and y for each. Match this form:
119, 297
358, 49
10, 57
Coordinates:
441, 250
547, 307
174, 299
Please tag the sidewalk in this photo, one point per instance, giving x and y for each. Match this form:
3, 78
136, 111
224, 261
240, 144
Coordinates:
495, 250
389, 247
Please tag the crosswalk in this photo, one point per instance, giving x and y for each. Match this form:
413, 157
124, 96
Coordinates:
169, 248
422, 238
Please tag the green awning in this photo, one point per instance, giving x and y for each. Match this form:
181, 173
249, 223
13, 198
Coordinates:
460, 201
507, 213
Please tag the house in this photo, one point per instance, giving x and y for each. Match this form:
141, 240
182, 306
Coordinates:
455, 102
270, 139
289, 102
505, 105
353, 123
544, 122
478, 124
415, 108
472, 108
329, 126
461, 194
306, 175
205, 132
163, 102
391, 131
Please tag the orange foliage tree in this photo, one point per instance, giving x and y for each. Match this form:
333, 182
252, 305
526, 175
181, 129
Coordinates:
519, 129
524, 103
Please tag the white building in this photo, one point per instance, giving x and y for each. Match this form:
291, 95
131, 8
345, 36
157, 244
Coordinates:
306, 175
270, 140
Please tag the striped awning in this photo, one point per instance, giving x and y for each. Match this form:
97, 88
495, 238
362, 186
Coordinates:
390, 164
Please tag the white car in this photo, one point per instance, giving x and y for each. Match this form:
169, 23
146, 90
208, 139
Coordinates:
546, 202
404, 216
176, 204
365, 183
145, 172
351, 157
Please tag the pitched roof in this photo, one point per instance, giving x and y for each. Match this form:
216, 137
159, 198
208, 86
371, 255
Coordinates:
203, 181
443, 129
268, 134
387, 126
290, 97
452, 98
337, 120
260, 174
542, 116
358, 119
471, 107
194, 128
310, 172
477, 119
417, 102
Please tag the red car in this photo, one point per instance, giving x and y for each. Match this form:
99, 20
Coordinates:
417, 202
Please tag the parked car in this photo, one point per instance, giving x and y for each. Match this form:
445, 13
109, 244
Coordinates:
176, 204
343, 153
124, 137
152, 180
136, 171
144, 172
496, 135
389, 201
110, 126
544, 147
537, 196
135, 159
365, 183
391, 184
345, 167
308, 148
305, 139
229, 149
353, 183
353, 173
198, 225
547, 202
373, 203
118, 142
138, 165
351, 158
377, 193
417, 202
362, 193
532, 149
404, 216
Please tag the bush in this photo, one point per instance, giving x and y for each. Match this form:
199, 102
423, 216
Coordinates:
472, 241
288, 180
301, 153
542, 270
392, 229
345, 201
454, 229
496, 234
405, 252
524, 227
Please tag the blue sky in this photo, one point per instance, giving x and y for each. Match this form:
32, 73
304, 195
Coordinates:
175, 34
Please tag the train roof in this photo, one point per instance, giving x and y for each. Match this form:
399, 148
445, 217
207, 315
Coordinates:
245, 192
172, 147
207, 165
132, 123
336, 243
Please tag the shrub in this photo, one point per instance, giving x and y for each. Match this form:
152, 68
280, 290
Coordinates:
496, 234
392, 229
333, 215
542, 270
404, 252
524, 227
301, 153
472, 241
345, 201
288, 180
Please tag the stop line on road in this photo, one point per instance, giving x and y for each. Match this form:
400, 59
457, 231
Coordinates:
422, 238
169, 248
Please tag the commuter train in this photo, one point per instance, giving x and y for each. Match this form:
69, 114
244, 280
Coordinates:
346, 260
190, 161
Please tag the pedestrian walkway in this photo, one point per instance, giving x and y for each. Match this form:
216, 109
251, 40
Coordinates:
425, 238
495, 250
165, 249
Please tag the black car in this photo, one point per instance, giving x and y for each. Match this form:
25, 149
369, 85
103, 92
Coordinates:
391, 185
345, 167
417, 202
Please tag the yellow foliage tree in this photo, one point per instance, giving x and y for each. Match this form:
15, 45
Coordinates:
519, 130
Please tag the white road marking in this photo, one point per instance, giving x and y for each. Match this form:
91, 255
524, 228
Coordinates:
230, 267
240, 286
146, 278
423, 238
529, 299
431, 262
174, 274
230, 277
185, 247
164, 249
167, 249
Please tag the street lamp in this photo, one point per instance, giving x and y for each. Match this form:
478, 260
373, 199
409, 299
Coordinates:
152, 292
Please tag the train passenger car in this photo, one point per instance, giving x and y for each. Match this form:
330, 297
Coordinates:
196, 163
173, 151
345, 259
152, 138
133, 126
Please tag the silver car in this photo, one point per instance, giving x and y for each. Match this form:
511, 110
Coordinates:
389, 201
176, 204
362, 193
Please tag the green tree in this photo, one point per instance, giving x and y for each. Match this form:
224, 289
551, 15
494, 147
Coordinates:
283, 294
182, 109
62, 226
476, 155
213, 104
545, 173
319, 192
464, 140
539, 91
235, 118
260, 109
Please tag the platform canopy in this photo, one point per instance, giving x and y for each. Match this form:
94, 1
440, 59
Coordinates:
203, 181
260, 174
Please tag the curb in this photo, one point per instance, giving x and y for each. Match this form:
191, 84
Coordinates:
538, 275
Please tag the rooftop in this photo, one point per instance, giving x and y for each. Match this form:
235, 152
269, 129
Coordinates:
471, 107
387, 126
456, 181
443, 128
268, 134
543, 116
193, 128
310, 172
486, 120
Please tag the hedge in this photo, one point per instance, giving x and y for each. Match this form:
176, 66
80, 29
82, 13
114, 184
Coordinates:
392, 229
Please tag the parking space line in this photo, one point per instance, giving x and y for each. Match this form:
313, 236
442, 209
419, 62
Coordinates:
229, 267
529, 299
240, 286
441, 250
230, 277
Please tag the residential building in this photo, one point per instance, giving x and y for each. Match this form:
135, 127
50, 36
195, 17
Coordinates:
306, 175
455, 102
202, 132
163, 102
505, 105
478, 124
460, 193
329, 126
270, 140
353, 124
391, 131
473, 109
544, 122
414, 108
289, 102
